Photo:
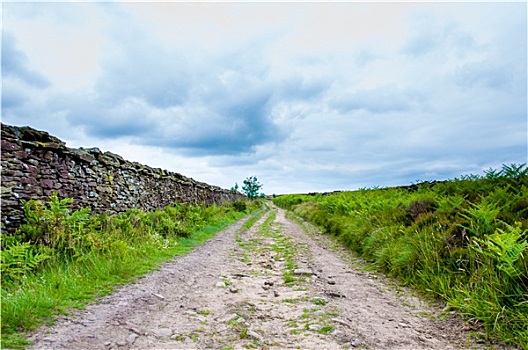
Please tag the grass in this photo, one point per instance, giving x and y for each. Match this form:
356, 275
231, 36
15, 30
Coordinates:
326, 329
463, 241
89, 256
319, 301
204, 312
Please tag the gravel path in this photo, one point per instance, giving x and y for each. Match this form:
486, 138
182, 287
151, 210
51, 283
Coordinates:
272, 287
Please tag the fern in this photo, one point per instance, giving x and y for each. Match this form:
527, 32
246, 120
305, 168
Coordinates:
504, 247
481, 216
19, 259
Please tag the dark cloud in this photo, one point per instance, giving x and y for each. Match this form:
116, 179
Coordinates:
211, 122
14, 64
233, 128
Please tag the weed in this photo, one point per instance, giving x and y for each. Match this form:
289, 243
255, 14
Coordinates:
204, 312
292, 300
325, 329
244, 333
319, 301
288, 278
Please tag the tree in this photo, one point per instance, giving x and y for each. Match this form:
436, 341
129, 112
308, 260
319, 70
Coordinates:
235, 188
251, 187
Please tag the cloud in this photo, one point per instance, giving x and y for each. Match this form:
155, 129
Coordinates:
14, 94
14, 64
485, 75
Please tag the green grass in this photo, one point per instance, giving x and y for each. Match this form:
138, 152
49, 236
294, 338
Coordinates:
115, 251
326, 329
463, 241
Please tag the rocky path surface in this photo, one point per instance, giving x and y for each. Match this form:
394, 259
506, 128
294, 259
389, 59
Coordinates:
275, 286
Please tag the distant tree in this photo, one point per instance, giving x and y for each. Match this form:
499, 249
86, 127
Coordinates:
251, 187
235, 188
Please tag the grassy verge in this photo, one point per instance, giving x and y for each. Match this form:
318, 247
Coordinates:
464, 241
61, 259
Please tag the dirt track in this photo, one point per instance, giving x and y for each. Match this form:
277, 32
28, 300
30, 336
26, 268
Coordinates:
231, 294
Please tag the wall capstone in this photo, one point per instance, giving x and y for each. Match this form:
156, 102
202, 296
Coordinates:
36, 164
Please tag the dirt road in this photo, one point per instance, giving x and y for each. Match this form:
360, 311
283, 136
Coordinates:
271, 287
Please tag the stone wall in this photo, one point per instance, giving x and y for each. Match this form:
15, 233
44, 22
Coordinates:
36, 164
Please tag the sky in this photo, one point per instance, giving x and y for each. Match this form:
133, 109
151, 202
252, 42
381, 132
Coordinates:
306, 96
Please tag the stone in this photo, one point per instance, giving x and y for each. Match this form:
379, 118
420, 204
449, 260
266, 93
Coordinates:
163, 332
159, 296
254, 335
131, 339
302, 271
314, 327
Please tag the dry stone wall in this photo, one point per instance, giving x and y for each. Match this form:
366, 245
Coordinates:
36, 165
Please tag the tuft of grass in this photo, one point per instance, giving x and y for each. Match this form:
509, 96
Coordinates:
325, 329
204, 312
319, 301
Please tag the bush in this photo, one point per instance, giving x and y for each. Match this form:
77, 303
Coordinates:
239, 206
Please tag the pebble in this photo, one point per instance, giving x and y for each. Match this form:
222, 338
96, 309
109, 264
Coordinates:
314, 327
134, 330
121, 343
254, 335
220, 284
340, 321
275, 293
302, 272
159, 296
163, 332
132, 338
233, 289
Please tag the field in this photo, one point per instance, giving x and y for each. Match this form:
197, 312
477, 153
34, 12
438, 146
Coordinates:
463, 242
